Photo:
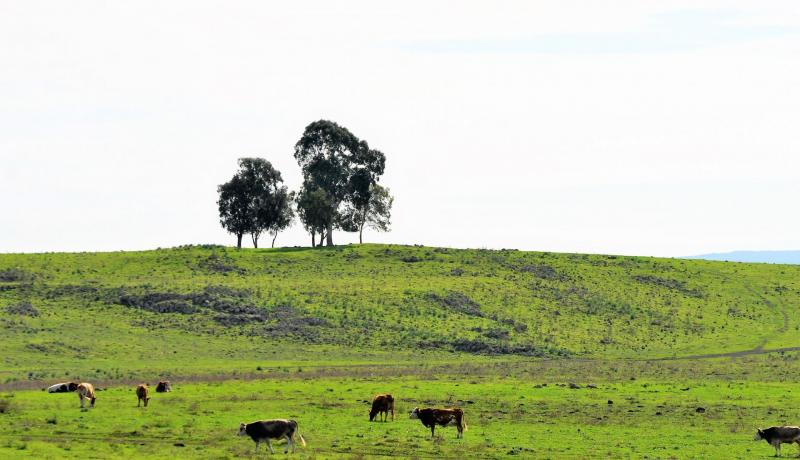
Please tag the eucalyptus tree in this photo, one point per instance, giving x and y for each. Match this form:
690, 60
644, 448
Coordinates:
339, 170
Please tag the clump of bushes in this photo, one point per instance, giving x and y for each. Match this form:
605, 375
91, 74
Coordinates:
220, 264
22, 309
671, 284
544, 272
457, 301
15, 274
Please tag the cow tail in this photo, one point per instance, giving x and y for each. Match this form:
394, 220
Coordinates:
297, 431
464, 422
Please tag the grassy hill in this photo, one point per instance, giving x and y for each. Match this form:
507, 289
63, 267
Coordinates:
204, 310
550, 355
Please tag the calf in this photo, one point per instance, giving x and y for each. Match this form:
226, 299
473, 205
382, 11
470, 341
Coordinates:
163, 386
266, 430
443, 417
777, 435
63, 387
86, 391
142, 393
382, 404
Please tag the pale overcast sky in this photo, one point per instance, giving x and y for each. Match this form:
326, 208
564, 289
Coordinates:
630, 127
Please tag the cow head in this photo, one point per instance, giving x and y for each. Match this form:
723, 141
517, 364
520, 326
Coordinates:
759, 435
72, 386
242, 429
414, 413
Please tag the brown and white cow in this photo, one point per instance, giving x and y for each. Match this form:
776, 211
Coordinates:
86, 391
163, 386
442, 417
266, 430
382, 404
143, 394
777, 435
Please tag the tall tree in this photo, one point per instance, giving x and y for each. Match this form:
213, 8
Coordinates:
255, 201
339, 165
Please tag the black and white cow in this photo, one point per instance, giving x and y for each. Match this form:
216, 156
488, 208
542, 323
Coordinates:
266, 430
777, 435
62, 387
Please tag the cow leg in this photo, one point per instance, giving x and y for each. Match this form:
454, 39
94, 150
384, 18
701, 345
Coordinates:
433, 428
256, 446
777, 446
289, 444
269, 444
82, 400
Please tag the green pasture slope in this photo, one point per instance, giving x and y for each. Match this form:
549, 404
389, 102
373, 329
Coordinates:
550, 355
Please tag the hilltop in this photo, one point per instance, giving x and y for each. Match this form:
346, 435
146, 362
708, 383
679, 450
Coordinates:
771, 257
215, 310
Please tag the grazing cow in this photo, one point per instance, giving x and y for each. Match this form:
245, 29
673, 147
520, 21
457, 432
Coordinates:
382, 404
163, 387
142, 393
266, 430
63, 387
86, 391
443, 417
777, 435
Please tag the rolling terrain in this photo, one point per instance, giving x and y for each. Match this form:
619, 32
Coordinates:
312, 333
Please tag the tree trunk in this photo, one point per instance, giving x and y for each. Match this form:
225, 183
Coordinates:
360, 232
273, 239
254, 237
239, 240
329, 236
313, 240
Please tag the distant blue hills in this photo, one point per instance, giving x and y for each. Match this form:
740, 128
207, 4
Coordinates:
769, 257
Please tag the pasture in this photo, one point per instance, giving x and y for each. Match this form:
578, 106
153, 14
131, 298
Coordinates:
513, 410
532, 346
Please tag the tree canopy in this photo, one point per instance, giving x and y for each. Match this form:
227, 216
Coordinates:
339, 170
255, 201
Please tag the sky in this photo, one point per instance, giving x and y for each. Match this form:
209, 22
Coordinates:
664, 128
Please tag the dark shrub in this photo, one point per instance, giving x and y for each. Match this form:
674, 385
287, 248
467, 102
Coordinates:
15, 274
457, 301
22, 309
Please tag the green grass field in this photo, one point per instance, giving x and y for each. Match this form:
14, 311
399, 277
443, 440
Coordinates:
313, 334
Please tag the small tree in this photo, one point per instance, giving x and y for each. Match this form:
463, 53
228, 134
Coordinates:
284, 214
315, 211
375, 211
255, 201
234, 208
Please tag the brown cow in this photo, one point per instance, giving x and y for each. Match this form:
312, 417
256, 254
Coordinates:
443, 417
86, 391
142, 393
382, 404
163, 386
